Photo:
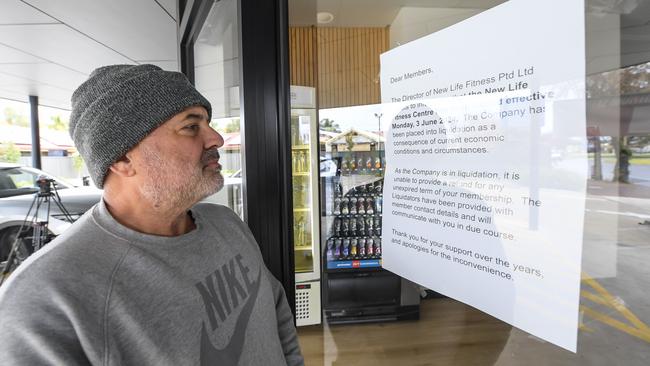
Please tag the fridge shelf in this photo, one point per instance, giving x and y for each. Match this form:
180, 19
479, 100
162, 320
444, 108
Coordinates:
357, 215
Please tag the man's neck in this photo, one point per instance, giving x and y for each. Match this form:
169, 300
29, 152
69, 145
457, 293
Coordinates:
143, 218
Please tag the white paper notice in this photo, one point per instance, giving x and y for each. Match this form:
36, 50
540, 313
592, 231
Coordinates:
486, 163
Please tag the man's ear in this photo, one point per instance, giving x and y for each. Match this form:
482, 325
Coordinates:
123, 167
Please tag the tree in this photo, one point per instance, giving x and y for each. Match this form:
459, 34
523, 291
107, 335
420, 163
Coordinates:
13, 118
9, 153
327, 124
77, 162
233, 126
58, 124
623, 155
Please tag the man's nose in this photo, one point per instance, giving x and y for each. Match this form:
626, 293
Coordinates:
212, 138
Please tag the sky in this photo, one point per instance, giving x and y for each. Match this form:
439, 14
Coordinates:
359, 117
45, 113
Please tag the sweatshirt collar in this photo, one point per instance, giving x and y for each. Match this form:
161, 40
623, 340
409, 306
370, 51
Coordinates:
104, 219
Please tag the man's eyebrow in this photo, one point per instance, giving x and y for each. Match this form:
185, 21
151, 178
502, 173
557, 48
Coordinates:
198, 116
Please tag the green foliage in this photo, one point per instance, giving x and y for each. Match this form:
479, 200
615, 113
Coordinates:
327, 124
58, 124
14, 118
233, 126
9, 152
349, 142
77, 162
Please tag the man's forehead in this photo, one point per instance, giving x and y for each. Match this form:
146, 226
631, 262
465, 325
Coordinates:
191, 112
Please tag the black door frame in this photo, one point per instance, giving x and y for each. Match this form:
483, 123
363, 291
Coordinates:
265, 101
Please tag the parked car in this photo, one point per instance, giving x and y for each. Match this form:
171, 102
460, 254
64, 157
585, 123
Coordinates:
18, 187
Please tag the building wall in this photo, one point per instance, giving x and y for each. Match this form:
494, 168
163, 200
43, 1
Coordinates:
342, 63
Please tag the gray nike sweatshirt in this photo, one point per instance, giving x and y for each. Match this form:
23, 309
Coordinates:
103, 294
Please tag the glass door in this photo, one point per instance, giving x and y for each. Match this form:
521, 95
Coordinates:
306, 237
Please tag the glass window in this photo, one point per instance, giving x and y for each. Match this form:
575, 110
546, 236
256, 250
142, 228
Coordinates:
335, 48
216, 70
59, 157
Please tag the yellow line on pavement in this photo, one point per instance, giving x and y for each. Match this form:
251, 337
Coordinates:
595, 298
639, 333
615, 304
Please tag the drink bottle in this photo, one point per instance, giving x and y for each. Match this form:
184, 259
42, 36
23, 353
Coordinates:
345, 206
300, 237
337, 227
361, 243
370, 247
353, 205
378, 226
361, 205
345, 227
345, 251
337, 206
330, 249
378, 187
353, 248
338, 192
369, 225
337, 249
370, 205
377, 248
361, 226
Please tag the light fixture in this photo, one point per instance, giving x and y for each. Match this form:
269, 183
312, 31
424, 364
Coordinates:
324, 17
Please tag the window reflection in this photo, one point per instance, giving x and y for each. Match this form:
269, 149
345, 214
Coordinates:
216, 60
341, 59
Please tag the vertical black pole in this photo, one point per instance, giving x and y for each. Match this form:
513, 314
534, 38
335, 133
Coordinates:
265, 97
36, 136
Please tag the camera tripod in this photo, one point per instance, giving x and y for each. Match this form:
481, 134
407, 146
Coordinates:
37, 227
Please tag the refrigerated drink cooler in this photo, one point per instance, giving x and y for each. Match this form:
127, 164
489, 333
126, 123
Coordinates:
306, 230
337, 224
355, 287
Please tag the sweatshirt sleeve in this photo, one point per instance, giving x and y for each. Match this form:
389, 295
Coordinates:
35, 331
286, 327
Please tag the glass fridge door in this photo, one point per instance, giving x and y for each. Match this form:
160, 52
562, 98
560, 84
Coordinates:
352, 165
305, 193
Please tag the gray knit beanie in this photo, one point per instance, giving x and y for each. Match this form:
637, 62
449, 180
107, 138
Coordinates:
120, 105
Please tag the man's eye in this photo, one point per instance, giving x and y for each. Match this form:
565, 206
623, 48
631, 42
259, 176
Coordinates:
192, 127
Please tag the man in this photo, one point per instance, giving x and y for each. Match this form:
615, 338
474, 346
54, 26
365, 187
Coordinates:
147, 276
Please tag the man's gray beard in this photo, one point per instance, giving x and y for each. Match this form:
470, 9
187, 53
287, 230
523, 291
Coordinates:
169, 188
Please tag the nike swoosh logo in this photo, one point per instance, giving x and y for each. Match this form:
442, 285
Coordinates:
229, 355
